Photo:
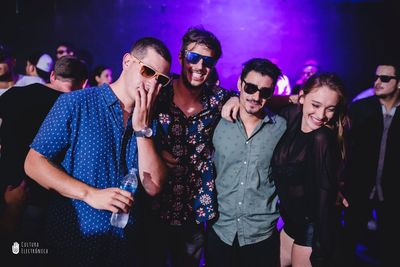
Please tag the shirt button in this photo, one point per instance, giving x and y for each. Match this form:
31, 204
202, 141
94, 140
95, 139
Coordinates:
247, 142
238, 219
241, 183
245, 162
240, 203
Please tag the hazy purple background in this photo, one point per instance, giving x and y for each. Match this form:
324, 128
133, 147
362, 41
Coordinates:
345, 36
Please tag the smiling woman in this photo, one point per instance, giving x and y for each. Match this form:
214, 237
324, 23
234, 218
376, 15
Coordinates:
305, 169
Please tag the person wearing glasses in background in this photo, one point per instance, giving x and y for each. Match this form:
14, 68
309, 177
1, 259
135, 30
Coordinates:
65, 49
86, 145
187, 112
245, 232
372, 169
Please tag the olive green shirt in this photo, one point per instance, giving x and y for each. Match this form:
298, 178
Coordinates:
247, 199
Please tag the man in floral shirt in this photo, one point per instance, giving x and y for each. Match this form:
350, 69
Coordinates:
187, 112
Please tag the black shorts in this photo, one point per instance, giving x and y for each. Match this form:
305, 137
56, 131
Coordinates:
301, 233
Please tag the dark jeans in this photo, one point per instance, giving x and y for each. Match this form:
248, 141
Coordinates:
174, 246
219, 254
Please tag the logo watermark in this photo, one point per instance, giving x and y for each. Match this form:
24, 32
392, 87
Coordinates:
15, 248
28, 248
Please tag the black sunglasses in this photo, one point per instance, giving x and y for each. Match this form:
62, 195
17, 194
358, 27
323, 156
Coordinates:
148, 72
193, 58
385, 78
265, 92
63, 51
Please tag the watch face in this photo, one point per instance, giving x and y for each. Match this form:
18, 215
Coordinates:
145, 132
148, 132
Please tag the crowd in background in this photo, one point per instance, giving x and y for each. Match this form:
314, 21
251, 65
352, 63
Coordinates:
218, 169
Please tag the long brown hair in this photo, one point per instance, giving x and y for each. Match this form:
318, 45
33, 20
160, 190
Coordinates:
340, 121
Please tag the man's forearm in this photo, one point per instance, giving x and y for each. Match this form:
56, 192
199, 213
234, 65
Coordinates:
52, 177
152, 168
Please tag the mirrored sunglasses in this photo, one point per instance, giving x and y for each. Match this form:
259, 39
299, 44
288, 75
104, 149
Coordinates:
194, 58
265, 92
385, 78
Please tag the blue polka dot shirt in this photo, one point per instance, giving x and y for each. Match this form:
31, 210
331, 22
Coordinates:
85, 135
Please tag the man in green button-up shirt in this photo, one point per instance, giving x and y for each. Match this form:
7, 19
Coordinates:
245, 231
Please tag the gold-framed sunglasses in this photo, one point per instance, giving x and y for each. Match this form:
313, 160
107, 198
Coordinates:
148, 72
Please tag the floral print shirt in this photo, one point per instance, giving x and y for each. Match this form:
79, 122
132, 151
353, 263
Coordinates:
189, 193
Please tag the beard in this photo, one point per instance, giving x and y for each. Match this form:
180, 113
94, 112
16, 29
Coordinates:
188, 84
254, 111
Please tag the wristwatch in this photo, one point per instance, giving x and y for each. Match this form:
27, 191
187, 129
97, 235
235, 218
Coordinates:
145, 132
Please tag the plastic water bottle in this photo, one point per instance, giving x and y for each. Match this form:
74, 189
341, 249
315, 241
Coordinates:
129, 183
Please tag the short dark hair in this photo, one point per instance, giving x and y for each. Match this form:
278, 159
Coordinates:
199, 35
139, 48
262, 66
99, 69
68, 45
71, 68
33, 58
392, 63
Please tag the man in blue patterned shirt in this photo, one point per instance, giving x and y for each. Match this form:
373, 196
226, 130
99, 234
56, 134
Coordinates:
87, 143
187, 112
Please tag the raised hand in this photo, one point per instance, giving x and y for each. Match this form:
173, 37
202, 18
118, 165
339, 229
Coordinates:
145, 96
230, 109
